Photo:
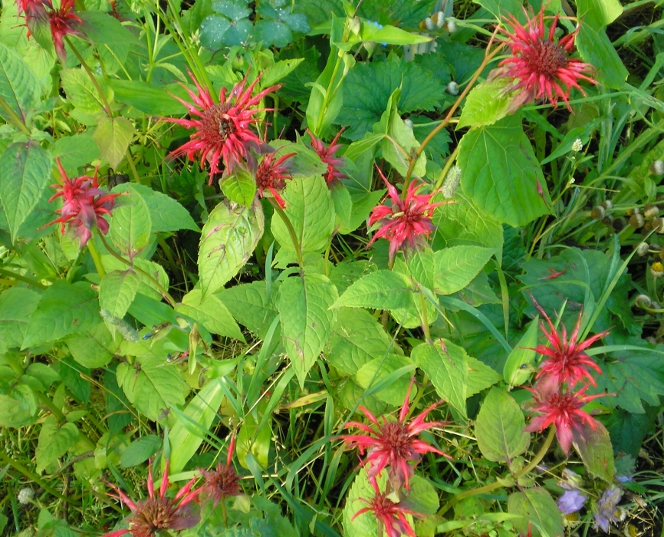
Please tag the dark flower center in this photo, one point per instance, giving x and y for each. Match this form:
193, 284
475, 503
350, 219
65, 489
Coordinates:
223, 482
396, 438
269, 177
152, 515
217, 125
545, 57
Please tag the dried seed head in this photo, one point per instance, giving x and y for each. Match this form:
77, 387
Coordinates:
598, 212
451, 182
620, 223
635, 210
25, 495
577, 145
607, 204
647, 227
651, 211
608, 220
636, 221
429, 24
643, 301
658, 225
453, 88
450, 25
657, 270
439, 19
641, 249
657, 167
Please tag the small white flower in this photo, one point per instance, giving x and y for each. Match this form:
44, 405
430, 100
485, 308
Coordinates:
577, 145
451, 25
439, 19
453, 88
408, 123
657, 167
25, 495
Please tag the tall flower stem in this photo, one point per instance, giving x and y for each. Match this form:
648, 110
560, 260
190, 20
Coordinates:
496, 485
22, 278
96, 258
291, 232
95, 82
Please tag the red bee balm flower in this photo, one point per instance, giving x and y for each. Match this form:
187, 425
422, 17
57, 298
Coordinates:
540, 63
63, 21
404, 221
393, 444
223, 482
566, 360
272, 175
158, 512
326, 155
563, 410
222, 130
84, 205
388, 513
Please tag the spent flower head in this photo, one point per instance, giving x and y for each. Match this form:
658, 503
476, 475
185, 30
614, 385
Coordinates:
394, 444
539, 63
271, 174
571, 501
158, 511
223, 482
607, 508
404, 222
63, 21
326, 154
223, 131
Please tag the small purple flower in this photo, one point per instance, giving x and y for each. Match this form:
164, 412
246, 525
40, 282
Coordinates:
607, 507
571, 502
625, 478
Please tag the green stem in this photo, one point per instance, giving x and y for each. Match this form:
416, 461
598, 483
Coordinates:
34, 477
132, 166
22, 278
49, 404
425, 319
14, 117
95, 82
496, 485
96, 258
291, 232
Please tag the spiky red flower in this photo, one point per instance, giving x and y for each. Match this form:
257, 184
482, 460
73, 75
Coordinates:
223, 130
567, 361
404, 221
63, 21
563, 409
540, 62
394, 445
223, 482
159, 512
326, 154
392, 515
271, 174
84, 205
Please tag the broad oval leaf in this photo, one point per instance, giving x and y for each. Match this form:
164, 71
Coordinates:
211, 313
456, 267
523, 354
486, 103
131, 225
19, 87
383, 289
113, 136
117, 291
537, 506
594, 445
228, 238
17, 305
54, 441
239, 187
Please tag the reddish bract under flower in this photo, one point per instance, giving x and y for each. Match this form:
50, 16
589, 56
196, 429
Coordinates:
562, 408
223, 131
390, 514
406, 221
326, 155
271, 174
567, 361
394, 445
540, 62
223, 482
158, 512
63, 21
84, 205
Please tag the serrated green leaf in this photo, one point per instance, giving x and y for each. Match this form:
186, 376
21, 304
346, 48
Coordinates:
383, 289
19, 87
523, 354
211, 313
54, 441
278, 71
16, 307
217, 31
149, 98
447, 367
599, 13
239, 186
131, 225
25, 169
147, 287
422, 266
480, 376
94, 348
75, 151
306, 319
18, 406
380, 367
273, 33
593, 444
595, 48
501, 174
343, 207
113, 136
422, 496
229, 237
186, 437
500, 8
232, 10
456, 267
166, 214
82, 93
117, 291
250, 305
499, 427
536, 505
390, 35
486, 103
310, 209
64, 308
140, 450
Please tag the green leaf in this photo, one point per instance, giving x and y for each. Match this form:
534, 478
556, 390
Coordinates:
390, 35
359, 493
273, 33
150, 384
456, 267
229, 237
113, 136
19, 87
343, 207
217, 32
593, 444
54, 442
64, 309
383, 289
95, 348
376, 371
103, 29
310, 209
596, 49
82, 93
536, 506
17, 305
480, 376
140, 450
117, 291
422, 267
486, 103
25, 169
239, 186
278, 71
75, 151
211, 313
369, 86
422, 496
499, 8
18, 406
166, 214
306, 319
500, 173
131, 225
598, 13
187, 434
149, 98
499, 427
147, 287
523, 354
446, 365
250, 305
